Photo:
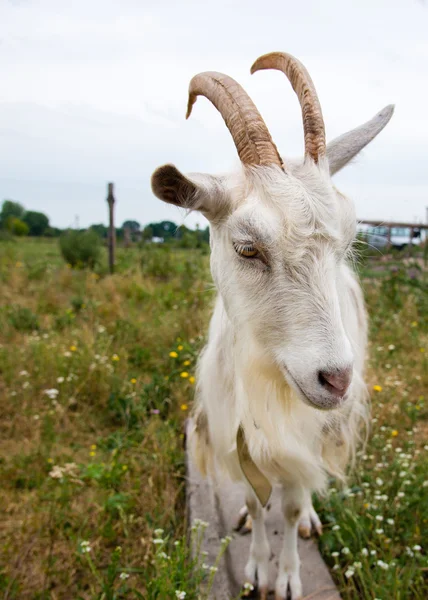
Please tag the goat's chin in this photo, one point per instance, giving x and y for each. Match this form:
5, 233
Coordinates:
321, 400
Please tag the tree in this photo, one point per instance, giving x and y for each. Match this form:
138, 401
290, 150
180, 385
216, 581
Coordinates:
164, 229
9, 210
101, 229
132, 225
37, 222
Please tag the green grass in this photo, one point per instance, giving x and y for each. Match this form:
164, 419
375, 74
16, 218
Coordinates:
96, 380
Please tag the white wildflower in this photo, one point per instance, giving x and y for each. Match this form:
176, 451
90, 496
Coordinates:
158, 541
123, 576
51, 393
248, 587
379, 531
345, 550
335, 554
382, 565
390, 521
336, 527
158, 532
379, 518
60, 379
180, 595
85, 546
364, 552
349, 573
379, 481
23, 373
417, 548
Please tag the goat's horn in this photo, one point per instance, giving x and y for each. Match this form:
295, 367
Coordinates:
313, 122
249, 132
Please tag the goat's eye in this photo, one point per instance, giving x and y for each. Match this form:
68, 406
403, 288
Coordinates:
246, 250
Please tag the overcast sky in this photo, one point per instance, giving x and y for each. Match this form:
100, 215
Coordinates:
95, 91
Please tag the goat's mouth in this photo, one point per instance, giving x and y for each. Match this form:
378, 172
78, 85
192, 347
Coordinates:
321, 400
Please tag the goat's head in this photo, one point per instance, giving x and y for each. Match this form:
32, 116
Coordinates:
280, 232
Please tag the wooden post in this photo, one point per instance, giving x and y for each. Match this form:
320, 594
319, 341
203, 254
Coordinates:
112, 231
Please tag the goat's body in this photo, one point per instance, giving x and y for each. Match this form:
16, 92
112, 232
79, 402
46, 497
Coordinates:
280, 396
287, 439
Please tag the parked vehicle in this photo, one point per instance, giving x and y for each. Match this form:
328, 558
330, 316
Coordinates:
377, 237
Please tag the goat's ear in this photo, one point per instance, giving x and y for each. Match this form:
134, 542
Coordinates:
343, 149
205, 193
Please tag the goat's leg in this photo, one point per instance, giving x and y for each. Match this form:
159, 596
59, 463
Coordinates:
309, 519
293, 500
257, 569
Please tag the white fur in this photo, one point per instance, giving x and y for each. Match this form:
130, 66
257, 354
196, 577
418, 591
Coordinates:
277, 323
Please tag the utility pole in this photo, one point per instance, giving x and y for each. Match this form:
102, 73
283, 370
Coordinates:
112, 231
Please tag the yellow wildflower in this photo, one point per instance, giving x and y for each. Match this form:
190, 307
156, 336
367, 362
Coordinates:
115, 357
183, 407
124, 467
173, 354
73, 348
192, 379
394, 433
186, 363
133, 380
414, 324
19, 264
366, 505
92, 453
422, 349
179, 348
50, 460
377, 388
184, 374
93, 447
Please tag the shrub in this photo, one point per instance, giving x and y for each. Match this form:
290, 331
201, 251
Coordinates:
17, 227
22, 318
80, 249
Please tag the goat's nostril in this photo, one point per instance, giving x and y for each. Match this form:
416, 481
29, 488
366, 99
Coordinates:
336, 382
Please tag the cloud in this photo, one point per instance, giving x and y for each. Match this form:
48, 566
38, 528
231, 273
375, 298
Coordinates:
96, 92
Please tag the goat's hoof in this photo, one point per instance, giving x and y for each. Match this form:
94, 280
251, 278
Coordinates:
304, 531
309, 522
243, 515
288, 580
248, 527
263, 593
257, 572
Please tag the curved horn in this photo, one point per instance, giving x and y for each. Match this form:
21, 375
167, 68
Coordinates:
249, 132
313, 122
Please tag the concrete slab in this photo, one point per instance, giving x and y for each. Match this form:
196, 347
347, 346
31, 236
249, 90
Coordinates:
219, 505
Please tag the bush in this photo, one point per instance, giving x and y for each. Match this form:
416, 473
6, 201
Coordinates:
17, 227
22, 318
80, 249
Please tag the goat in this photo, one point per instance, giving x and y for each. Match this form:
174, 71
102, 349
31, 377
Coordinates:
280, 395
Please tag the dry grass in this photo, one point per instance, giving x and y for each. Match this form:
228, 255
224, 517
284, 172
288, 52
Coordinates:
104, 344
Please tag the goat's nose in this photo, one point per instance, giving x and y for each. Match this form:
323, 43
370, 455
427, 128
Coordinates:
336, 382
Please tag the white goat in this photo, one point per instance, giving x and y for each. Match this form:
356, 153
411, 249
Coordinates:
280, 396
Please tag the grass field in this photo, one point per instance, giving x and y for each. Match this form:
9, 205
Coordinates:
96, 380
